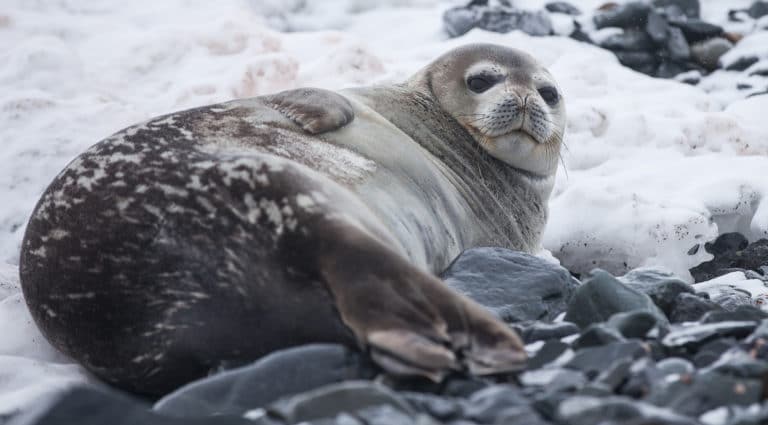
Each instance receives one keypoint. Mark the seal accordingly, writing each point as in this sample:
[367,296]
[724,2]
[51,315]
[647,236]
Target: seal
[219,234]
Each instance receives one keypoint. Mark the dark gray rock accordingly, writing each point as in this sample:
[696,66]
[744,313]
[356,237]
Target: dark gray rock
[690,308]
[758,9]
[663,287]
[441,408]
[595,335]
[602,295]
[675,366]
[645,62]
[657,27]
[738,363]
[759,73]
[584,410]
[695,336]
[594,360]
[670,68]
[615,374]
[677,45]
[366,399]
[743,86]
[696,30]
[712,350]
[630,40]
[742,312]
[514,285]
[643,376]
[279,374]
[488,405]
[733,299]
[701,392]
[91,406]
[562,7]
[690,8]
[629,15]
[543,331]
[707,53]
[731,253]
[459,20]
[579,34]
[633,324]
[550,351]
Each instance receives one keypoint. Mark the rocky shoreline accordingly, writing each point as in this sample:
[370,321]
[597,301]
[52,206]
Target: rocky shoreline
[643,348]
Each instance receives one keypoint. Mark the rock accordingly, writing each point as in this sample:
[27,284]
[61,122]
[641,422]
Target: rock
[633,324]
[657,27]
[631,39]
[711,351]
[584,410]
[602,295]
[491,404]
[690,307]
[643,376]
[579,34]
[731,252]
[663,287]
[91,406]
[441,408]
[644,62]
[759,73]
[701,392]
[733,299]
[690,8]
[675,366]
[670,69]
[739,364]
[503,19]
[364,398]
[615,375]
[695,336]
[549,352]
[562,7]
[708,52]
[758,9]
[595,335]
[743,86]
[554,379]
[692,77]
[594,360]
[279,374]
[677,45]
[542,331]
[628,15]
[697,30]
[463,386]
[742,312]
[514,285]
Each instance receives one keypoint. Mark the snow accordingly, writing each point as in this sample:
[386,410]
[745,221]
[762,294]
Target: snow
[653,168]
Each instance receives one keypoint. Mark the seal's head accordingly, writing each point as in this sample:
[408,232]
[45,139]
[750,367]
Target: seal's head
[509,103]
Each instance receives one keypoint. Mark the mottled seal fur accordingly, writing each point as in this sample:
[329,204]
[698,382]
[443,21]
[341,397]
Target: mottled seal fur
[222,233]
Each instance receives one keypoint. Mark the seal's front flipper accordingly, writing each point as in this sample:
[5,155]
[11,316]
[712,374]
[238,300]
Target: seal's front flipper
[315,110]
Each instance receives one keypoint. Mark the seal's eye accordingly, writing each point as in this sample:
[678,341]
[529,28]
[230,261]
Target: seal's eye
[549,94]
[479,84]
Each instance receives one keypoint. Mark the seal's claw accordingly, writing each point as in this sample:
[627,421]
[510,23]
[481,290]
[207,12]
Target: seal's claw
[404,353]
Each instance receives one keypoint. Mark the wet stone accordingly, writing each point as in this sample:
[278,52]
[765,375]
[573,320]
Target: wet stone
[738,363]
[629,15]
[595,335]
[487,404]
[644,62]
[584,410]
[555,379]
[543,331]
[548,353]
[690,8]
[677,45]
[631,40]
[634,324]
[441,408]
[675,366]
[642,378]
[695,336]
[758,9]
[602,295]
[562,7]
[708,52]
[657,27]
[661,286]
[697,30]
[503,19]
[710,352]
[615,374]
[741,312]
[515,286]
[594,360]
[690,307]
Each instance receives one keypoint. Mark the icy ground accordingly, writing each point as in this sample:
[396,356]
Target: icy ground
[652,167]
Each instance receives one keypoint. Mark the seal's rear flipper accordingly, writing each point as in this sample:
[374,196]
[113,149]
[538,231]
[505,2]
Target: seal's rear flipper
[315,110]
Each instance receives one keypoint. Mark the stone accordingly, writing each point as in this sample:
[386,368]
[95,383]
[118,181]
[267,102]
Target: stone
[441,408]
[628,15]
[633,324]
[675,366]
[742,312]
[643,377]
[743,86]
[758,9]
[644,62]
[548,353]
[690,8]
[657,27]
[487,404]
[562,7]
[554,379]
[759,73]
[738,363]
[602,295]
[543,331]
[594,360]
[350,396]
[662,287]
[579,34]
[514,285]
[279,374]
[733,299]
[677,45]
[689,308]
[615,375]
[695,336]
[585,410]
[730,252]
[595,335]
[696,30]
[712,350]
[631,40]
[457,21]
[707,53]
[92,406]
